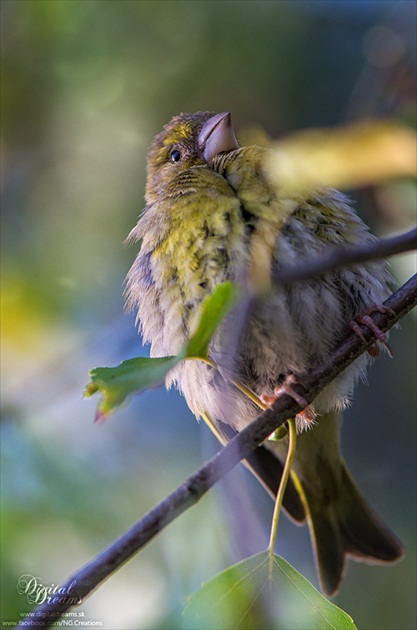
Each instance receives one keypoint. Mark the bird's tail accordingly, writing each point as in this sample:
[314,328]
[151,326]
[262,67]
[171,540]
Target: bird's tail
[346,526]
[340,520]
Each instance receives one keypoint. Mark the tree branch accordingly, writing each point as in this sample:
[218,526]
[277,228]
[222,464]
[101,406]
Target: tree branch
[84,581]
[335,258]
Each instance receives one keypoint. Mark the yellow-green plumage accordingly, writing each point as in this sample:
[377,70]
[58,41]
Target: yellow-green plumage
[212,216]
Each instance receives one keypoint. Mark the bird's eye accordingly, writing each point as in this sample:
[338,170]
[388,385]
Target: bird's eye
[175,155]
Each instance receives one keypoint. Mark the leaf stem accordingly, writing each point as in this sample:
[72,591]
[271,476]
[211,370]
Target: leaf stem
[249,393]
[282,486]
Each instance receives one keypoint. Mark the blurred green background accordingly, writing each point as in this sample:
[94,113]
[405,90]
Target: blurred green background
[85,87]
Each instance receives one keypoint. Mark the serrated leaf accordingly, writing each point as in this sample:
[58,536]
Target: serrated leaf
[253,594]
[213,310]
[116,384]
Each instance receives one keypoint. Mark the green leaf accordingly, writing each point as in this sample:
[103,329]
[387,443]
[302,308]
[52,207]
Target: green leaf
[254,594]
[132,376]
[116,384]
[212,311]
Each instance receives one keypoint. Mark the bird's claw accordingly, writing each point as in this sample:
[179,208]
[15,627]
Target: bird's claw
[304,418]
[369,323]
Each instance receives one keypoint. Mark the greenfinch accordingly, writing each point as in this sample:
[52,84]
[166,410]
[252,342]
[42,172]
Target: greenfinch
[213,215]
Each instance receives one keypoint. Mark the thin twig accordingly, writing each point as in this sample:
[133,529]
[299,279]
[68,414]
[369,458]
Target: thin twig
[292,446]
[382,248]
[102,566]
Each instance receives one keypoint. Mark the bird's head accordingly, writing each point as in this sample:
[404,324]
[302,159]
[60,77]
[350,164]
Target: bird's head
[187,140]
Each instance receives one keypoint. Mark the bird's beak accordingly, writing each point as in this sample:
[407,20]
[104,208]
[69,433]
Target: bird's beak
[217,135]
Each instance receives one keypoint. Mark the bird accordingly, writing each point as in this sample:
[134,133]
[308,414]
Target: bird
[213,215]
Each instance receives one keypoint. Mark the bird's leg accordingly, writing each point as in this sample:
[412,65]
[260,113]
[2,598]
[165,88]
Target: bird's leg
[369,323]
[305,418]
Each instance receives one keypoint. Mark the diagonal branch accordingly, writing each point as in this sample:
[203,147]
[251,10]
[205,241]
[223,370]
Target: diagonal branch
[353,255]
[84,581]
